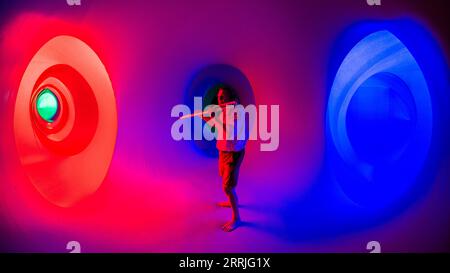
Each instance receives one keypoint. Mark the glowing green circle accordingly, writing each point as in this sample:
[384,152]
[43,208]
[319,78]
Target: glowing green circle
[47,105]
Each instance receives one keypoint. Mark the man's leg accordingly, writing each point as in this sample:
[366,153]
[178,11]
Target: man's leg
[235,221]
[229,165]
[222,165]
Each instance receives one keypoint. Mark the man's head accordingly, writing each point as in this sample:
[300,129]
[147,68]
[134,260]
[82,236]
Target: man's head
[224,95]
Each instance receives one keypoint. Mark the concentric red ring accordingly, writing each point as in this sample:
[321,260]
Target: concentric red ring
[66,159]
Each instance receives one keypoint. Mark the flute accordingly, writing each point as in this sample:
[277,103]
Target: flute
[204,112]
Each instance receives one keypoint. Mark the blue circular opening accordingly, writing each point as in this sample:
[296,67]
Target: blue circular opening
[381,118]
[204,85]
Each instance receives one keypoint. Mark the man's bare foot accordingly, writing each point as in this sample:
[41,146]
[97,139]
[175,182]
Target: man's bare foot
[231,225]
[224,204]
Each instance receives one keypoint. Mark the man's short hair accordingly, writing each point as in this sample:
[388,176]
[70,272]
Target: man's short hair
[230,91]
